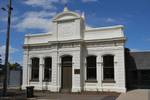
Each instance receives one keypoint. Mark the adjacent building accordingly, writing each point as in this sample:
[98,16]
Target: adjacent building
[74,58]
[137,69]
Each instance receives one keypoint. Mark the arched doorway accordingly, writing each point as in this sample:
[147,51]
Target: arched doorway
[66,73]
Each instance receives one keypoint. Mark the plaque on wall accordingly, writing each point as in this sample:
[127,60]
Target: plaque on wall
[76,71]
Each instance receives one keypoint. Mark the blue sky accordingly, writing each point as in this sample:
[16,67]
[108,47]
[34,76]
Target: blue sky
[34,16]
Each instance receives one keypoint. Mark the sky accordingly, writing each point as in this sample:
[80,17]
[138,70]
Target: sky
[34,16]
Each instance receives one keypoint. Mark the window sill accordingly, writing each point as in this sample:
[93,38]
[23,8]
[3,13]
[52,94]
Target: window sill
[34,80]
[91,81]
[46,80]
[108,81]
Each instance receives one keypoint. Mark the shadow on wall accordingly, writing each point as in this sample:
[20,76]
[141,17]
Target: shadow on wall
[137,75]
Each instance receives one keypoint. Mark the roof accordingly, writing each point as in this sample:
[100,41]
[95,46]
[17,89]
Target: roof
[141,59]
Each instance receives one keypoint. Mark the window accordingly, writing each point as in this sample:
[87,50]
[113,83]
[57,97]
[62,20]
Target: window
[91,67]
[67,61]
[108,67]
[35,69]
[48,69]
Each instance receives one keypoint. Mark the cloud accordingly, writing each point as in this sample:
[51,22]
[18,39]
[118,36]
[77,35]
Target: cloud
[45,4]
[39,14]
[78,11]
[148,39]
[13,19]
[41,19]
[88,27]
[89,1]
[11,51]
[36,20]
[111,20]
[139,50]
[3,31]
[34,23]
[64,1]
[135,50]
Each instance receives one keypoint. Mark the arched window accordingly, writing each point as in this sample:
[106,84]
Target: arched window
[91,67]
[35,69]
[48,69]
[108,67]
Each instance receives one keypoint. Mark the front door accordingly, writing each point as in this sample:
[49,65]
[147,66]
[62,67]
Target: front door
[66,73]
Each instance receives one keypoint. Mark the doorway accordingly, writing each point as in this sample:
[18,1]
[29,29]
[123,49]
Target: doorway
[66,73]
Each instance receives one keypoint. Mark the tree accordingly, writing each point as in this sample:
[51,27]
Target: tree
[14,66]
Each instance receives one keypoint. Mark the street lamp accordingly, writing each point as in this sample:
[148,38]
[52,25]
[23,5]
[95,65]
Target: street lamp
[6,68]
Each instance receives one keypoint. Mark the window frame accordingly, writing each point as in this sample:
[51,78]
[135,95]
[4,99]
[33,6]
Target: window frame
[35,67]
[88,79]
[109,67]
[49,78]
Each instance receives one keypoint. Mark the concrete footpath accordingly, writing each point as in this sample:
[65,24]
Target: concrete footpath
[46,95]
[138,94]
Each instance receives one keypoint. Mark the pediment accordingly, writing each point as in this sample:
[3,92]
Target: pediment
[66,16]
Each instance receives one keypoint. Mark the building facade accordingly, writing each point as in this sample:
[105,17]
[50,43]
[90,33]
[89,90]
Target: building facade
[74,58]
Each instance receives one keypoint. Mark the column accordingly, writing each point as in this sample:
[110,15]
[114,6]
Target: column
[29,68]
[29,72]
[76,71]
[25,71]
[41,72]
[99,72]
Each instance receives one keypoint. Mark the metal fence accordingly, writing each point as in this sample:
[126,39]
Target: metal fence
[15,79]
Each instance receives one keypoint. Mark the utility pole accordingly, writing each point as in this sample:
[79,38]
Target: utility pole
[0,59]
[6,68]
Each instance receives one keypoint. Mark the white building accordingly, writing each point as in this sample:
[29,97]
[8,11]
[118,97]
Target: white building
[74,58]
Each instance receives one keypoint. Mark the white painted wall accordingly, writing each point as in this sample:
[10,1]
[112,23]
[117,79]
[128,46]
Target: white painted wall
[64,32]
[119,68]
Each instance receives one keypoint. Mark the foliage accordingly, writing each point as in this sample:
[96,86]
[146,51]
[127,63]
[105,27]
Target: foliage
[14,66]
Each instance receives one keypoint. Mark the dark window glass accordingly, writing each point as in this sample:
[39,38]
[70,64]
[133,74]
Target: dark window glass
[35,69]
[67,61]
[108,62]
[48,69]
[91,67]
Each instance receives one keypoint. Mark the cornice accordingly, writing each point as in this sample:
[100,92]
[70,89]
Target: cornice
[107,40]
[105,28]
[37,35]
[68,42]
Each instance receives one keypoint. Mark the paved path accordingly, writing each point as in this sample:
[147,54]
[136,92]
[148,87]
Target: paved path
[139,94]
[46,95]
[75,97]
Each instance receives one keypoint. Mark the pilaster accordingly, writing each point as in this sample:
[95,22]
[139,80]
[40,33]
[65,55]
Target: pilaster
[41,66]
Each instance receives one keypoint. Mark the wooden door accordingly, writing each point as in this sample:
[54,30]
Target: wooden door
[67,77]
[67,73]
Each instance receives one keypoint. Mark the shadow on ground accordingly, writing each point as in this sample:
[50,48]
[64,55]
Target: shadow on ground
[13,95]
